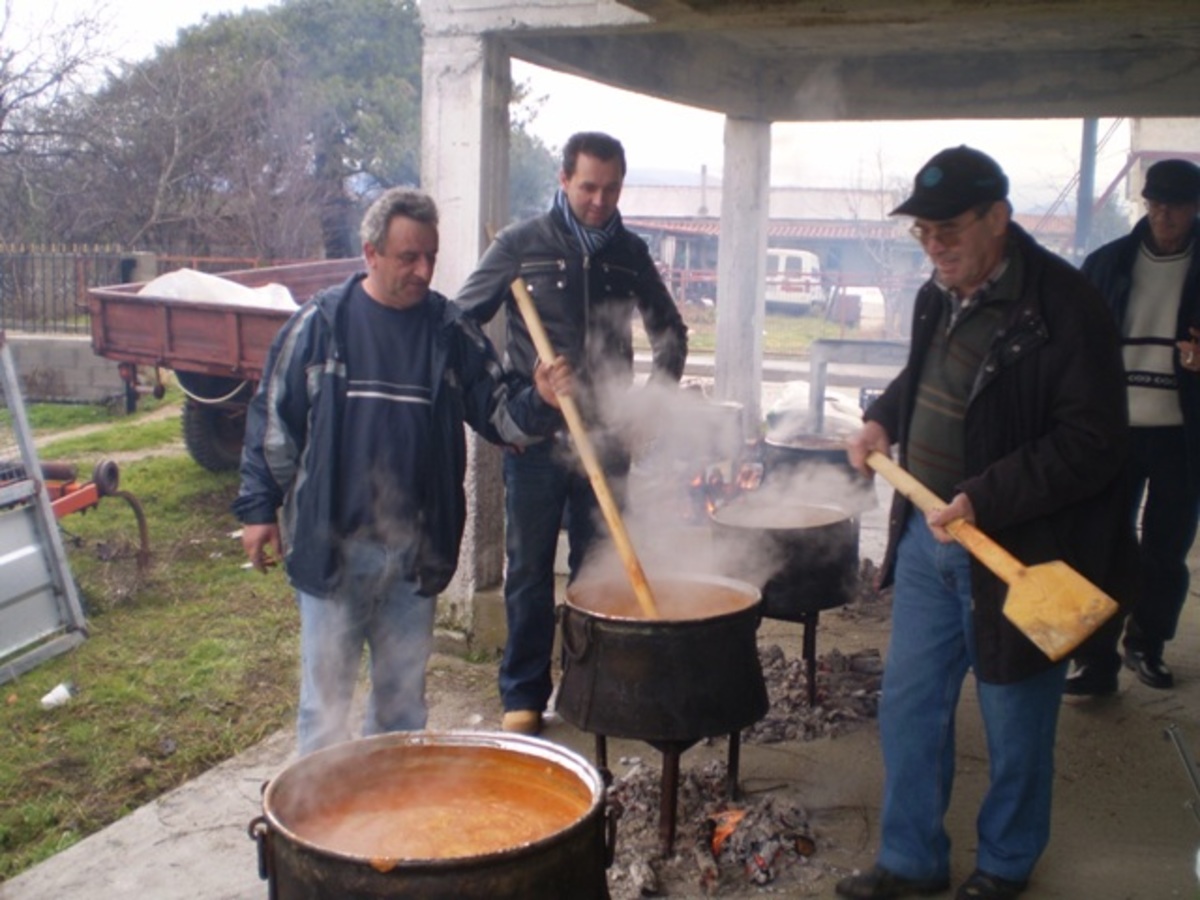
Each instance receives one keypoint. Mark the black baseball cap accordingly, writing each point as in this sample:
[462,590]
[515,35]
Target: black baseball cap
[1172,181]
[952,182]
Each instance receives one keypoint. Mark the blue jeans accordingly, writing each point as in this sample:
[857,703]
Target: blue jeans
[931,650]
[541,484]
[378,607]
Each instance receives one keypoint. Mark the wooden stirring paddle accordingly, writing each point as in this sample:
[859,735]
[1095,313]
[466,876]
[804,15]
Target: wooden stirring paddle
[591,463]
[1052,604]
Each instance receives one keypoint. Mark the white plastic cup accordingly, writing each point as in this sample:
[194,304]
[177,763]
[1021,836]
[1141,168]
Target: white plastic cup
[57,697]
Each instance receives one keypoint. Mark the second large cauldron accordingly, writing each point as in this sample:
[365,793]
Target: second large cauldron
[692,673]
[809,551]
[808,554]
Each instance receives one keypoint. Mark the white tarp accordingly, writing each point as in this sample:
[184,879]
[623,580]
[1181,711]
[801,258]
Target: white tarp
[189,284]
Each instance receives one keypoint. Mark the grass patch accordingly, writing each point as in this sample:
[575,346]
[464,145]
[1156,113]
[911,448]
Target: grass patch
[49,417]
[134,437]
[187,663]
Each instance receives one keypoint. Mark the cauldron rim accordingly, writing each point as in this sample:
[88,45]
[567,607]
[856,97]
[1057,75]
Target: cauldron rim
[800,440]
[752,593]
[534,746]
[741,504]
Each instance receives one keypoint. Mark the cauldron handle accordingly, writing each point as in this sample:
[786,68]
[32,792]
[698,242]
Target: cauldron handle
[260,833]
[575,654]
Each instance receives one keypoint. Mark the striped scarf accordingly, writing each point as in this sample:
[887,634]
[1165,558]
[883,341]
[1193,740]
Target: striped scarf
[591,240]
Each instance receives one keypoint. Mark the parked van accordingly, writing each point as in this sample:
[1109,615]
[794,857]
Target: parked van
[794,282]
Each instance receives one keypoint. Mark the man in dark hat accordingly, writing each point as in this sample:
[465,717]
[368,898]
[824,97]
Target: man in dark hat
[1012,407]
[1151,280]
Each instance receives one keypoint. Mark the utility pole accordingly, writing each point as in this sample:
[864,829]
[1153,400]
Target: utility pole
[1087,187]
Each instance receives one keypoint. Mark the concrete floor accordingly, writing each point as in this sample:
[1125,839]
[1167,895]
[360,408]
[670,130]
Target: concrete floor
[1123,827]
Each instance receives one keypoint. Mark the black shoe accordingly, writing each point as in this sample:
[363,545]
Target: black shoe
[1089,681]
[877,883]
[1150,669]
[982,886]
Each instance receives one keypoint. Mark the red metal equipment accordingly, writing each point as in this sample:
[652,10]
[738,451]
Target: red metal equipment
[67,495]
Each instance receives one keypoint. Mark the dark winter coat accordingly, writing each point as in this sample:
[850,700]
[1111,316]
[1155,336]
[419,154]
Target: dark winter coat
[1045,434]
[1110,268]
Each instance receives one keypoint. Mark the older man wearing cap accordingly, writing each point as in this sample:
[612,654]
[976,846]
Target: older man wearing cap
[1151,280]
[1012,407]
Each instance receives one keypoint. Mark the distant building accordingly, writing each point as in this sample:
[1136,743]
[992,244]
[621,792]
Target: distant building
[863,252]
[849,230]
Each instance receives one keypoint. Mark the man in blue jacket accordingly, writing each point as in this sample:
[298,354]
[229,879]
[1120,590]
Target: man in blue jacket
[1151,280]
[353,466]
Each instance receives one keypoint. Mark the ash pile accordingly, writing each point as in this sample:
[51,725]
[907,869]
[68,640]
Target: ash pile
[848,685]
[721,846]
[762,842]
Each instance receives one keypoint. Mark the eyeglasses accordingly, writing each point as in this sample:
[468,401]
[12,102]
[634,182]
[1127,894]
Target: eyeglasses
[1162,208]
[948,234]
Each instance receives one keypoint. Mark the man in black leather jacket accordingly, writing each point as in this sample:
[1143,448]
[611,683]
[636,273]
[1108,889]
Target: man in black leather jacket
[1151,280]
[587,274]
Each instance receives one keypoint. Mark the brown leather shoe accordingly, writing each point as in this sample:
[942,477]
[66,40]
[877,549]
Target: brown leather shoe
[877,883]
[522,721]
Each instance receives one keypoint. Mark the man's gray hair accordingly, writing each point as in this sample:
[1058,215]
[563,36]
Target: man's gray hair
[407,202]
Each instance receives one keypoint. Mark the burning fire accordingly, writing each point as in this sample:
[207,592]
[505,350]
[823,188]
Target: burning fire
[709,489]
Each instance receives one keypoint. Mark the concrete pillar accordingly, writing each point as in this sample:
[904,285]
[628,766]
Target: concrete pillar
[741,264]
[464,166]
[139,266]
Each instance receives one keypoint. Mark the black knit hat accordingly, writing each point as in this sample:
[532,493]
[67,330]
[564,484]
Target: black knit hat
[1172,181]
[952,182]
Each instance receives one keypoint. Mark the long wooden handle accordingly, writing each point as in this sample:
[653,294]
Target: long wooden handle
[591,463]
[1002,563]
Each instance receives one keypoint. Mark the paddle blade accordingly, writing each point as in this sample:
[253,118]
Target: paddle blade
[1056,607]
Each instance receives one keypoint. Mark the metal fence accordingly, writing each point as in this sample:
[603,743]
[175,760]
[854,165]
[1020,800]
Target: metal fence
[44,289]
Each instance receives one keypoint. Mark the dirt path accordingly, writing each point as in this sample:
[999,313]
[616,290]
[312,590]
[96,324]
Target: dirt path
[174,447]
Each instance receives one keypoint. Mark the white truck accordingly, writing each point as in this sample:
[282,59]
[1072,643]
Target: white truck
[794,282]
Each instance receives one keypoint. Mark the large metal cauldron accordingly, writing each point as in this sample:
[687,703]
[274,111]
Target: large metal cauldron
[784,454]
[692,673]
[459,815]
[811,549]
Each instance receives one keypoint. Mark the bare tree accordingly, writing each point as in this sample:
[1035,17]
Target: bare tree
[43,63]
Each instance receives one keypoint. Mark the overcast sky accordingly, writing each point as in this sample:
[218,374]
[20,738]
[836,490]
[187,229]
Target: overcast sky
[1040,157]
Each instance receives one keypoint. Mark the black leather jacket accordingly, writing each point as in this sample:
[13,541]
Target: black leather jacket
[585,302]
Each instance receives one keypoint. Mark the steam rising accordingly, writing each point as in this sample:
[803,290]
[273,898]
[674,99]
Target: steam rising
[678,436]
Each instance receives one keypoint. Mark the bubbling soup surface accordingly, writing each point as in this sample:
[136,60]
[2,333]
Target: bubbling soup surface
[452,805]
[674,599]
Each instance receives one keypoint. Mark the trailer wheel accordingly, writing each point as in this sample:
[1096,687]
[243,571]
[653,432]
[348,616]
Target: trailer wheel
[213,435]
